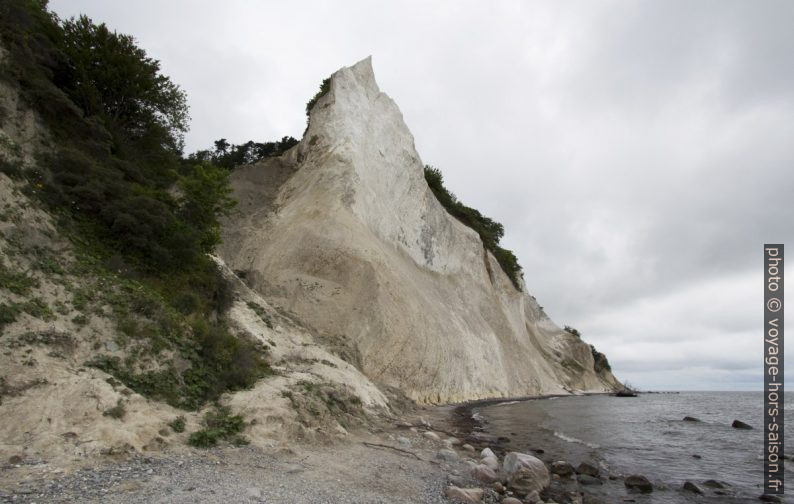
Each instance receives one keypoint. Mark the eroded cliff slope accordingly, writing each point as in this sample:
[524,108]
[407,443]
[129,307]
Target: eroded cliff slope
[343,232]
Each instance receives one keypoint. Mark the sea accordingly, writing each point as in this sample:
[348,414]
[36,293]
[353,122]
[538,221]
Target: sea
[647,435]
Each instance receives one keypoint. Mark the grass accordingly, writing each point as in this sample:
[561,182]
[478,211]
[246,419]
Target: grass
[219,425]
[18,283]
[35,308]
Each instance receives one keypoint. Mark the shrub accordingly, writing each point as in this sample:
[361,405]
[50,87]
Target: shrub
[219,424]
[325,86]
[573,331]
[489,230]
[177,424]
[600,362]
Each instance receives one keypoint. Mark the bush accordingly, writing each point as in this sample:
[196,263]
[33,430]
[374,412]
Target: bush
[573,331]
[489,230]
[325,86]
[177,424]
[219,424]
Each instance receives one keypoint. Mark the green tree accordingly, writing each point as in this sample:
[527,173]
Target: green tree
[109,76]
[206,196]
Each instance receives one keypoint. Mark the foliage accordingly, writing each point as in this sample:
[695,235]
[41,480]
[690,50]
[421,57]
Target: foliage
[219,362]
[229,156]
[110,77]
[219,424]
[325,86]
[600,362]
[118,123]
[573,331]
[177,424]
[18,283]
[489,230]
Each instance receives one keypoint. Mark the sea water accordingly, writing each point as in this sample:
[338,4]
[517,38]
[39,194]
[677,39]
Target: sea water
[647,435]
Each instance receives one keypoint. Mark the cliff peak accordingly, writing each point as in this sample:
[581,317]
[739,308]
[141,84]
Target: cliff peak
[358,247]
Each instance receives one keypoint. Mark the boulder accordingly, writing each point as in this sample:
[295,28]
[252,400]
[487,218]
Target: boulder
[586,479]
[487,452]
[691,419]
[468,447]
[738,424]
[561,468]
[447,455]
[511,500]
[692,487]
[432,435]
[588,469]
[769,498]
[465,495]
[638,482]
[484,474]
[714,484]
[534,498]
[525,473]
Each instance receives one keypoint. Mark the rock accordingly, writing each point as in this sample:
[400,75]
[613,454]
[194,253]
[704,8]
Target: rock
[738,424]
[404,441]
[468,447]
[254,492]
[458,481]
[691,419]
[491,462]
[484,474]
[511,500]
[452,441]
[561,468]
[14,459]
[534,498]
[586,479]
[638,482]
[692,487]
[487,452]
[432,435]
[481,438]
[696,456]
[588,469]
[465,495]
[525,473]
[769,498]
[498,487]
[713,484]
[447,455]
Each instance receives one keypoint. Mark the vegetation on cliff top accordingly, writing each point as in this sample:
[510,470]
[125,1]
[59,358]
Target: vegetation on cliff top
[489,230]
[141,216]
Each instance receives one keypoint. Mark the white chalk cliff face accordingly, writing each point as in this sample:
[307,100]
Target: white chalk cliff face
[343,232]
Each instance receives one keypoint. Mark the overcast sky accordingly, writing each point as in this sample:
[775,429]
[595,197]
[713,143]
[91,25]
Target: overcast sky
[638,153]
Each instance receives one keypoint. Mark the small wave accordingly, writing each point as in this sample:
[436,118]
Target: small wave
[507,403]
[571,439]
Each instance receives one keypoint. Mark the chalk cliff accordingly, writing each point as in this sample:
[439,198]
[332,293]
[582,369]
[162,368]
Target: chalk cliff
[343,232]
